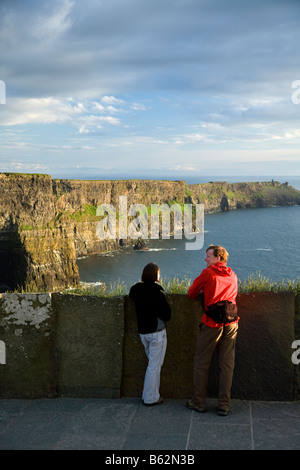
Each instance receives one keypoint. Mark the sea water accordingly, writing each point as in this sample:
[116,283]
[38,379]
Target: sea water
[265,241]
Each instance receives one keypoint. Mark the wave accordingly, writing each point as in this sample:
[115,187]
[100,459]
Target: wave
[88,284]
[91,284]
[161,249]
[95,283]
[263,249]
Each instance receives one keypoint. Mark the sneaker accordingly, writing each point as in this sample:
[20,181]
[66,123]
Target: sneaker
[158,402]
[191,406]
[223,412]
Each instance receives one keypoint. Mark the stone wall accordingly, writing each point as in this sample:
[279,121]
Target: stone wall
[74,346]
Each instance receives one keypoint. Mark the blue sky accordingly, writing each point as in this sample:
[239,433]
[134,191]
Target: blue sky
[150,88]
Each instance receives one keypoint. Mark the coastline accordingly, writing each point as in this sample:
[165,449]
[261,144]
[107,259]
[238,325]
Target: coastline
[46,224]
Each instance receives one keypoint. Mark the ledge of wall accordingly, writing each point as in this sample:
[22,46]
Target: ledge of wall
[69,345]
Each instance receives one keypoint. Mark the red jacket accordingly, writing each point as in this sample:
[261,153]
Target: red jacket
[218,282]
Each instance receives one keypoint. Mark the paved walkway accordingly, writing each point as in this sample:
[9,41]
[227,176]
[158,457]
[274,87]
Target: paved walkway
[126,424]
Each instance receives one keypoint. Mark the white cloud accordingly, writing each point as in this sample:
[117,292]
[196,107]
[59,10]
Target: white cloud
[138,107]
[22,111]
[150,81]
[109,108]
[112,100]
[83,130]
[49,27]
[37,110]
[20,166]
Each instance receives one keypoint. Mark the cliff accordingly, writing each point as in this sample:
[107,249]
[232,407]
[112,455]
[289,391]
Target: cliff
[45,224]
[222,196]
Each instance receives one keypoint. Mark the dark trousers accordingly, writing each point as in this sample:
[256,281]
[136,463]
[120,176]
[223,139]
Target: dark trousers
[210,339]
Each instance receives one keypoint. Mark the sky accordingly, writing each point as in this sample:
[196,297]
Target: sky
[169,89]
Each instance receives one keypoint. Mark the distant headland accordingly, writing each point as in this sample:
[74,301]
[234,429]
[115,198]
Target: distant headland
[46,223]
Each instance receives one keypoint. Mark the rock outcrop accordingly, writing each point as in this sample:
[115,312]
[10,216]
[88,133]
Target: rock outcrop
[46,224]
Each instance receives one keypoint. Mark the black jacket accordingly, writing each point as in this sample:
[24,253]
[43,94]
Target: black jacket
[150,304]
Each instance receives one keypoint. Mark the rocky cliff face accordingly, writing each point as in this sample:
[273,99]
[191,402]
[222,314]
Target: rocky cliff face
[222,196]
[74,194]
[34,249]
[76,203]
[46,224]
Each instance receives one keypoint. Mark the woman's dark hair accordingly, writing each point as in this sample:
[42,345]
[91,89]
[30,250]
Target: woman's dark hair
[150,272]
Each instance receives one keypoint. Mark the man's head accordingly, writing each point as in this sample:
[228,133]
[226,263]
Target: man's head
[215,254]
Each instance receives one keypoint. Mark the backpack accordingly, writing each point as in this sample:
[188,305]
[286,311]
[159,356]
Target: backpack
[223,312]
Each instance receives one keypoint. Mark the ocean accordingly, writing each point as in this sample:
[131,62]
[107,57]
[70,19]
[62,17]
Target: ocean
[264,241]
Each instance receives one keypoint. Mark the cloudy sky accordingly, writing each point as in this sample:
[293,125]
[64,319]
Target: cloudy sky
[150,88]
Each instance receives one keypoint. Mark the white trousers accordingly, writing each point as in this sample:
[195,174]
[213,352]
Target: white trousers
[155,345]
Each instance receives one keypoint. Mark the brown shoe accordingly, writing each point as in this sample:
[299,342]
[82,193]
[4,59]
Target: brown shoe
[222,412]
[191,406]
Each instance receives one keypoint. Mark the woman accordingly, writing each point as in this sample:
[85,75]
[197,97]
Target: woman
[152,310]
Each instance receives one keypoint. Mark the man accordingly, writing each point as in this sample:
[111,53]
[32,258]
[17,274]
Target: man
[218,283]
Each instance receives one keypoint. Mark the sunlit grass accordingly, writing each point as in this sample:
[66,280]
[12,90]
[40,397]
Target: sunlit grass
[258,283]
[254,283]
[99,289]
[176,285]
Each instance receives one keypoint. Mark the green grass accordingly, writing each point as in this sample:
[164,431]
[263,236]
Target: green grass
[88,212]
[25,175]
[254,283]
[176,285]
[100,290]
[258,283]
[171,286]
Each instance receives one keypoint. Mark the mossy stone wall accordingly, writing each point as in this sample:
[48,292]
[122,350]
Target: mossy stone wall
[87,346]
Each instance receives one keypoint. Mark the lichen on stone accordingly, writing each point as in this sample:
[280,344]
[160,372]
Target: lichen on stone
[27,309]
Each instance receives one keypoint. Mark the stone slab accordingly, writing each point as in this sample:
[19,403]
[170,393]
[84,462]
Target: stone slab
[27,332]
[90,345]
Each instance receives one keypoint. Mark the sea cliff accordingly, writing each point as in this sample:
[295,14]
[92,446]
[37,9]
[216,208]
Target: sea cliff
[46,224]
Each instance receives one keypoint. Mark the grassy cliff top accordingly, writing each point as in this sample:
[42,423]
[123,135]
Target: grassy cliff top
[25,175]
